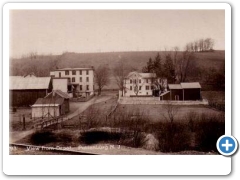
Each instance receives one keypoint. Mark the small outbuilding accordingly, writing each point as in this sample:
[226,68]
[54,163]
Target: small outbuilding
[182,92]
[54,104]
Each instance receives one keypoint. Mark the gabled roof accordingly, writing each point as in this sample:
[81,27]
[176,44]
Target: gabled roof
[187,85]
[48,102]
[191,85]
[148,75]
[23,83]
[70,69]
[174,86]
[142,75]
[59,92]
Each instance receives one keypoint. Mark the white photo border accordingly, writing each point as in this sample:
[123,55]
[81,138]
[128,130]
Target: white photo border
[115,164]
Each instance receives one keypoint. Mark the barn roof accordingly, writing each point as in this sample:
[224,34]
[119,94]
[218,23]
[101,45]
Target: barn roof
[174,86]
[22,83]
[60,93]
[190,85]
[48,102]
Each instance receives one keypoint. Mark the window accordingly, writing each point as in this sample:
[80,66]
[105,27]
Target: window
[73,72]
[87,87]
[73,79]
[147,87]
[130,81]
[80,80]
[59,74]
[80,72]
[66,72]
[69,80]
[152,87]
[87,79]
[140,87]
[87,72]
[80,87]
[131,88]
[135,81]
[139,81]
[146,80]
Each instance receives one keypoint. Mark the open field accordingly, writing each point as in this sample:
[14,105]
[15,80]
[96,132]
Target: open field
[158,113]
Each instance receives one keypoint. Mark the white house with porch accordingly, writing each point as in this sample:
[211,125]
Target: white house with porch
[142,84]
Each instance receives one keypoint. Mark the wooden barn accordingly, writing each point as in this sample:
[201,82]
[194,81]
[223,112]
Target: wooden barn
[54,104]
[182,92]
[25,90]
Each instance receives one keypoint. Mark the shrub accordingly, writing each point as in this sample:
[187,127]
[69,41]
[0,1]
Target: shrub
[173,137]
[95,136]
[42,137]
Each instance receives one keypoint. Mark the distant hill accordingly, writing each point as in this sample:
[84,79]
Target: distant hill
[42,65]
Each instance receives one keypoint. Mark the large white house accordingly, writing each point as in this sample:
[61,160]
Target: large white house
[76,81]
[142,84]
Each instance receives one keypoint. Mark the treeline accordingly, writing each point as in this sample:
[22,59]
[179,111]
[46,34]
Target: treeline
[201,45]
[177,67]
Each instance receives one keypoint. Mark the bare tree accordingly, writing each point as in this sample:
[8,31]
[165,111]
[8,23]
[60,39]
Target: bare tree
[171,111]
[102,77]
[184,64]
[120,72]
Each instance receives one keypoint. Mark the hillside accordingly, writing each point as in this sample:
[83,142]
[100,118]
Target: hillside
[42,64]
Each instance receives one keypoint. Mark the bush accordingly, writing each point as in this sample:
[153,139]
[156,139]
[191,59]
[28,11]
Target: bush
[173,137]
[42,137]
[208,132]
[95,136]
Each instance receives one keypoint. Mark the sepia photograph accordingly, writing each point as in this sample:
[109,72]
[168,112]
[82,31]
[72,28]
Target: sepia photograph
[116,81]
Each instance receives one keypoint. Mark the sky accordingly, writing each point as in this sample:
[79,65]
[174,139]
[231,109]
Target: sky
[58,31]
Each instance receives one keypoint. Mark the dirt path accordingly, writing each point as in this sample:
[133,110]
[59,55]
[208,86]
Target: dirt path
[84,105]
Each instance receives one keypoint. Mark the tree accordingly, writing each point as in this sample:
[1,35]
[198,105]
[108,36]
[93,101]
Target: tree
[169,69]
[102,77]
[149,68]
[185,65]
[120,72]
[157,66]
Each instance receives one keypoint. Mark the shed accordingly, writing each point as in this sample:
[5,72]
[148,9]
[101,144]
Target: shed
[48,107]
[176,92]
[25,90]
[59,94]
[191,91]
[183,92]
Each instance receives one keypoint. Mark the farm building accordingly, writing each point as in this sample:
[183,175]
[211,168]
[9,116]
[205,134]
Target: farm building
[25,90]
[54,104]
[182,92]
